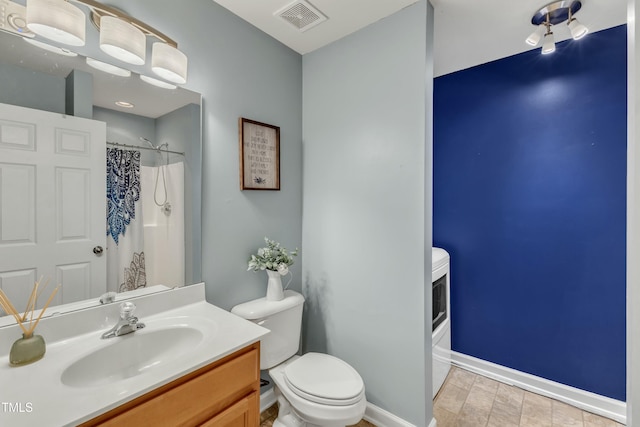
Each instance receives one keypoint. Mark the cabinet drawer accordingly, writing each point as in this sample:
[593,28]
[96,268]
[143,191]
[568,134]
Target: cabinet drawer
[242,414]
[196,400]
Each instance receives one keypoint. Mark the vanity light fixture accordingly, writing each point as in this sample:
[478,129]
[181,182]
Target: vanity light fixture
[108,68]
[156,82]
[122,40]
[50,48]
[56,20]
[553,14]
[169,63]
[121,36]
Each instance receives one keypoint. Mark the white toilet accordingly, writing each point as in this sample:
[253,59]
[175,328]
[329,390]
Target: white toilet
[314,389]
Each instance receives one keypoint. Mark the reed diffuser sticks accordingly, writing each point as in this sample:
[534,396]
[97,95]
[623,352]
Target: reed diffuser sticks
[28,326]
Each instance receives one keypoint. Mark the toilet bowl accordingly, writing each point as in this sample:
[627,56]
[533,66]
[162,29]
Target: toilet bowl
[320,390]
[314,389]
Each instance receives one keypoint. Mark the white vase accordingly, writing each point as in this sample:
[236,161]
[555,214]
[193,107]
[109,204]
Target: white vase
[274,286]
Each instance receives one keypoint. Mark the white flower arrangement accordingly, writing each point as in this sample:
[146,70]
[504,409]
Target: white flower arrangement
[274,257]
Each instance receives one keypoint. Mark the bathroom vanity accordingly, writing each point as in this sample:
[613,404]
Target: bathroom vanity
[224,393]
[192,364]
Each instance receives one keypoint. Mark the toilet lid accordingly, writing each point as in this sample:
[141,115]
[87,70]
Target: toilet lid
[325,379]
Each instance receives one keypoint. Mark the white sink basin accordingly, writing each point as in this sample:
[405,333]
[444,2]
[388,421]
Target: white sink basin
[131,355]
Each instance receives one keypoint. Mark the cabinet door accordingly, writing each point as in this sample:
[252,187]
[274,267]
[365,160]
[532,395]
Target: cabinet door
[244,413]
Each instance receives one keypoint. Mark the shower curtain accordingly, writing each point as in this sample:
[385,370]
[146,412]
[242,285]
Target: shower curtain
[164,229]
[125,232]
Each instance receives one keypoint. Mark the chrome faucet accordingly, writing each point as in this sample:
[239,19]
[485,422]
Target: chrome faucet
[128,322]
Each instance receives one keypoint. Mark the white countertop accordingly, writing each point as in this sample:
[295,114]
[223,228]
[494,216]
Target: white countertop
[34,395]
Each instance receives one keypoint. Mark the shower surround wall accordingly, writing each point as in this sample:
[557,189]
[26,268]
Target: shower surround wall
[530,200]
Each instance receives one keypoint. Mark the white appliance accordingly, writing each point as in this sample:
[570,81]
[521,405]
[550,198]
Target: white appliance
[313,389]
[441,317]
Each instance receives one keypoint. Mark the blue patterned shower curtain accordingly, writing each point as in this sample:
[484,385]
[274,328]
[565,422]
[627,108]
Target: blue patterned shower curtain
[125,231]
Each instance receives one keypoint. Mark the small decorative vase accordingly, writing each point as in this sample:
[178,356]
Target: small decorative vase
[27,350]
[274,286]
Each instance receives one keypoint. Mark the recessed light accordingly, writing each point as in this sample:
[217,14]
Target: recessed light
[124,104]
[108,68]
[157,82]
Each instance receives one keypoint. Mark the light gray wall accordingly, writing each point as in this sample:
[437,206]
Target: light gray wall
[366,231]
[79,94]
[126,128]
[240,72]
[31,89]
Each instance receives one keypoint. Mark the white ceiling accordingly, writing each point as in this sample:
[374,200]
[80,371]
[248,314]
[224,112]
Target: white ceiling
[473,32]
[466,32]
[345,17]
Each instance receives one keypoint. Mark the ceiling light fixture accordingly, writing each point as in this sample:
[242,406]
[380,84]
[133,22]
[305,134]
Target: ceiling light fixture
[578,30]
[549,44]
[553,14]
[534,38]
[121,36]
[124,104]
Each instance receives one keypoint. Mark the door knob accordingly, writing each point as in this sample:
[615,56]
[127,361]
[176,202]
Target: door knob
[98,250]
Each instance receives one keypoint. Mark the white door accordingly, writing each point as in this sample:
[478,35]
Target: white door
[52,204]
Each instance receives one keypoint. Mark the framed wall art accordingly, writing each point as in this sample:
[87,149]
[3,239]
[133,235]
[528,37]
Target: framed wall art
[259,155]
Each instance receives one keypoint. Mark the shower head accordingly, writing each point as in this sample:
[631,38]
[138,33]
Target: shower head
[158,148]
[142,138]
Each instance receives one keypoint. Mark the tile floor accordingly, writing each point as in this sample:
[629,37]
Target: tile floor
[470,400]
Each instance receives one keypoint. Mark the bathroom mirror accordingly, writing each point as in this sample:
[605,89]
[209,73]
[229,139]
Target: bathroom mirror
[35,78]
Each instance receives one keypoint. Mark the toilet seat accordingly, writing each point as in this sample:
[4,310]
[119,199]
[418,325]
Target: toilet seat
[324,379]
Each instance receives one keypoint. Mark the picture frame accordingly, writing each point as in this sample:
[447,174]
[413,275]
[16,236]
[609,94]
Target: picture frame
[259,147]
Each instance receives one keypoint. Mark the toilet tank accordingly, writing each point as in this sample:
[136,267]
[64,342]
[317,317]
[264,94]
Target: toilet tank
[283,318]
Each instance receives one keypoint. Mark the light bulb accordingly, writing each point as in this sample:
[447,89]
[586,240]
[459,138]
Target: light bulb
[548,44]
[578,30]
[534,38]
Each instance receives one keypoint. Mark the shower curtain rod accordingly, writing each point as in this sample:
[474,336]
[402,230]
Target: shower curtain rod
[137,147]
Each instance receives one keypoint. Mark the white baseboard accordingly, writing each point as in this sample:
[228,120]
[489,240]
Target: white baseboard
[382,418]
[373,414]
[267,399]
[585,400]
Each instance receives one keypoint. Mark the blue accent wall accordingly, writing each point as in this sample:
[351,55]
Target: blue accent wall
[530,201]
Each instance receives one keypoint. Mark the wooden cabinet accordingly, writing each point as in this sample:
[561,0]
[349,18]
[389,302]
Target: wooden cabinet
[225,393]
[240,414]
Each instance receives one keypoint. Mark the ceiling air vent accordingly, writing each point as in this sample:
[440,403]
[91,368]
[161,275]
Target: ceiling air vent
[301,15]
